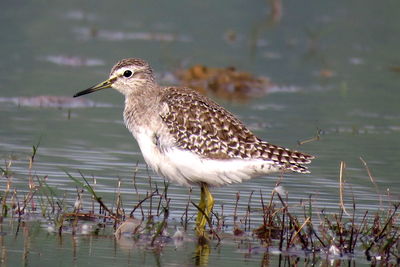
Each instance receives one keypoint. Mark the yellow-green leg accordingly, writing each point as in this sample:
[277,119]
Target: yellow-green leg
[202,254]
[206,205]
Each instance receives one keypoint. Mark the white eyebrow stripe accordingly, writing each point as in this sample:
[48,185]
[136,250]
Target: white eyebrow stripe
[121,71]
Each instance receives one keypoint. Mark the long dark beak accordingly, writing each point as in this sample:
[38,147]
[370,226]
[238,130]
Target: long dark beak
[97,87]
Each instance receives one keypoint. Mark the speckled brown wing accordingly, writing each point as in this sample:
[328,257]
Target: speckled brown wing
[202,126]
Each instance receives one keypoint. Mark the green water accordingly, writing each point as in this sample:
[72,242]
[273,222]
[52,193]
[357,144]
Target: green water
[356,108]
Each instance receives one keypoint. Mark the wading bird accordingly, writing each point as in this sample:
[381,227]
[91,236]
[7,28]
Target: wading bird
[191,140]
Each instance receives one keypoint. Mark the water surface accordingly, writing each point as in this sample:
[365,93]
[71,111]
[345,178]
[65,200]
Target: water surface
[335,64]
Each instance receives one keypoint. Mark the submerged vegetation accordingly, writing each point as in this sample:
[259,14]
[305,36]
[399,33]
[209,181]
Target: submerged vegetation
[294,232]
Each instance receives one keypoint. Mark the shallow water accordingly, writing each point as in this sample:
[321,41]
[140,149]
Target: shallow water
[334,64]
[31,245]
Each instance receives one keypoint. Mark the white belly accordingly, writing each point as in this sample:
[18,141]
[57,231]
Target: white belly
[187,168]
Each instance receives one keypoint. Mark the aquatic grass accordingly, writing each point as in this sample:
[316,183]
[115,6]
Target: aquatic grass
[90,189]
[336,235]
[161,225]
[185,217]
[34,152]
[50,195]
[4,197]
[297,231]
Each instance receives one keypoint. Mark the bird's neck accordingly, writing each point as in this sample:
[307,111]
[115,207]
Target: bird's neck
[140,108]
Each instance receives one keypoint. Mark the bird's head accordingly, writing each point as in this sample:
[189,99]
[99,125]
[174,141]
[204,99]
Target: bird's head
[127,76]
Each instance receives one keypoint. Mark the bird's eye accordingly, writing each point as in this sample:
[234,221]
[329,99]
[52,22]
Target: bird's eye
[127,73]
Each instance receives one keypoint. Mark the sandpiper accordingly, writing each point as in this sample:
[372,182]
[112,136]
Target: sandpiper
[191,140]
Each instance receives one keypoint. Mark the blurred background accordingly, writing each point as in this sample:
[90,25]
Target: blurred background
[323,74]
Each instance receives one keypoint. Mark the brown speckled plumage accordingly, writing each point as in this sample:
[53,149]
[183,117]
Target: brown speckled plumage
[191,140]
[188,138]
[202,126]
